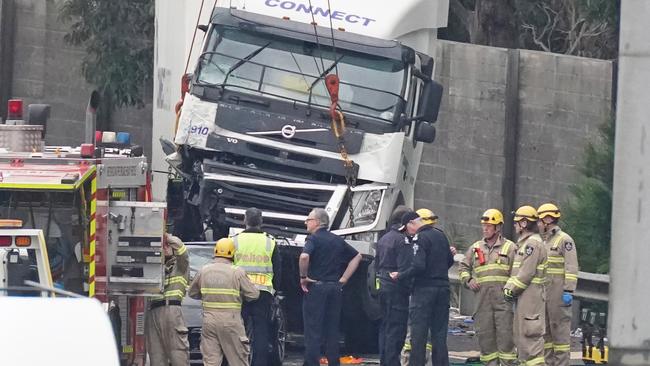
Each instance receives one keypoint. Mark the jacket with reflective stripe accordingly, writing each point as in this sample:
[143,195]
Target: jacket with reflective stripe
[529,266]
[253,253]
[562,260]
[177,276]
[222,286]
[498,262]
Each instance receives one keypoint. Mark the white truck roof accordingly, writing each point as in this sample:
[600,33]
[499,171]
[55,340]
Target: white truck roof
[56,331]
[385,19]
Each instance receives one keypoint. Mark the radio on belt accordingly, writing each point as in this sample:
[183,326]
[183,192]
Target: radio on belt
[135,262]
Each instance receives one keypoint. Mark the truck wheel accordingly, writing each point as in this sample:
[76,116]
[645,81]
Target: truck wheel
[280,331]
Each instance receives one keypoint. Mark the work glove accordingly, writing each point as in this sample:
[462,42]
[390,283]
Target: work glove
[173,241]
[508,295]
[567,298]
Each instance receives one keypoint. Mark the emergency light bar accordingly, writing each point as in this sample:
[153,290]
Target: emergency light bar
[10,224]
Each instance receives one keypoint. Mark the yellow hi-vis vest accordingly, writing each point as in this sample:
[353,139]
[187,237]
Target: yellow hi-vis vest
[253,253]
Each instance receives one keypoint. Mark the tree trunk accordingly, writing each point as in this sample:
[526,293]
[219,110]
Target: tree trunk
[496,23]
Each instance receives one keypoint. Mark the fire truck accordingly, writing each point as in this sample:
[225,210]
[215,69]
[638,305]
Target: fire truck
[91,207]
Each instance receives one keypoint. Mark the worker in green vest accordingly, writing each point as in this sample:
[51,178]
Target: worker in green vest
[256,253]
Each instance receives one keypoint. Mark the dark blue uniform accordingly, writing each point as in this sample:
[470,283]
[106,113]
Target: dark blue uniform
[429,307]
[329,255]
[394,254]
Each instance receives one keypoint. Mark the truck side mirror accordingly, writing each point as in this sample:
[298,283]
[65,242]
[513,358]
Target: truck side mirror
[430,101]
[424,132]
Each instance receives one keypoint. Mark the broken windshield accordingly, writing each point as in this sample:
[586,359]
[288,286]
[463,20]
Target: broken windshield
[257,63]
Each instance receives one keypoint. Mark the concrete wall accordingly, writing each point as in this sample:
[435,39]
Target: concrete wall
[561,102]
[47,70]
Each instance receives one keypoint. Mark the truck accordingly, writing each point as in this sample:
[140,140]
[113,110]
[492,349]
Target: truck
[288,105]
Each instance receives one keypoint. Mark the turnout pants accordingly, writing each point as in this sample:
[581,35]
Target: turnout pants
[223,335]
[429,311]
[321,313]
[494,318]
[557,340]
[257,314]
[394,304]
[166,336]
[529,326]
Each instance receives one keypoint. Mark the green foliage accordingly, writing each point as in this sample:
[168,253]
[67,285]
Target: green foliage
[119,40]
[587,215]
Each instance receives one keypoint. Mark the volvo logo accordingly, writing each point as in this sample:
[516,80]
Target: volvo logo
[288,131]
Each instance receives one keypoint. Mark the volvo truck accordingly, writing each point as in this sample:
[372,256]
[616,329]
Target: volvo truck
[288,105]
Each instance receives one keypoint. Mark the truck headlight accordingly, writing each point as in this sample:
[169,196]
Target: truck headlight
[366,205]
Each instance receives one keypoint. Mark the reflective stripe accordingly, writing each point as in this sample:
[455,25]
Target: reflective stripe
[487,267]
[172,293]
[181,250]
[516,264]
[464,275]
[500,279]
[548,345]
[506,247]
[557,240]
[219,291]
[407,346]
[489,357]
[535,361]
[176,279]
[570,277]
[507,356]
[221,305]
[251,267]
[515,281]
[539,280]
[555,259]
[561,347]
[555,271]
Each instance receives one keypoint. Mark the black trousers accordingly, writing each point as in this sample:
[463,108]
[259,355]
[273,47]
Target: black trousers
[257,314]
[321,314]
[394,304]
[429,311]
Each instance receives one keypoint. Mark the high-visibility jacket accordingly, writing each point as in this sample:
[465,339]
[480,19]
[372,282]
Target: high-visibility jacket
[253,252]
[497,266]
[222,287]
[177,275]
[562,260]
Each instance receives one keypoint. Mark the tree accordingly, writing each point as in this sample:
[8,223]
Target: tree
[486,22]
[574,27]
[587,214]
[119,40]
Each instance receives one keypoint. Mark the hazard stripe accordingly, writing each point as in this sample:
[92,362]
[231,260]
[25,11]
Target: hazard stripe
[93,210]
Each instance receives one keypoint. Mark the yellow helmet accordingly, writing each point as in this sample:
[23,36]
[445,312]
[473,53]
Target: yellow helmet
[225,248]
[548,209]
[526,212]
[427,216]
[492,216]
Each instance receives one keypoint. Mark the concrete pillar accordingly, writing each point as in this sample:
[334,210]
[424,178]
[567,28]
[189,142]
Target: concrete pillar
[629,318]
[7,15]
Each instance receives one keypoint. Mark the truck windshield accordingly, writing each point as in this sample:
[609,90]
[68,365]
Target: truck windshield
[293,69]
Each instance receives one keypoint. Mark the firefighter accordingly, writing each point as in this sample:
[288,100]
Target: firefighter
[562,275]
[256,253]
[326,264]
[221,287]
[429,306]
[165,330]
[485,270]
[526,286]
[392,254]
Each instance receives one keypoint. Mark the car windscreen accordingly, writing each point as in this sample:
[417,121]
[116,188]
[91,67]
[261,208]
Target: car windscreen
[292,69]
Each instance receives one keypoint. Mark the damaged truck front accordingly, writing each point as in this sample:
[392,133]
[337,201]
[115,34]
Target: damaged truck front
[255,130]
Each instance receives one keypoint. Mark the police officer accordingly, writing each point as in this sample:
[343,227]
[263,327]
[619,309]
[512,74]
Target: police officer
[222,287]
[165,330]
[526,285]
[429,307]
[256,253]
[322,277]
[393,254]
[562,275]
[485,270]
